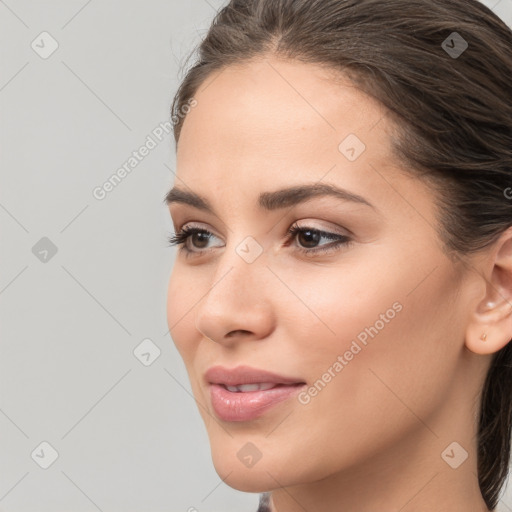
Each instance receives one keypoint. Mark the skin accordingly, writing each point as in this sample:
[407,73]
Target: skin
[373,437]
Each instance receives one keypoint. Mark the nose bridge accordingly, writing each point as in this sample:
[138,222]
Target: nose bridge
[239,270]
[236,298]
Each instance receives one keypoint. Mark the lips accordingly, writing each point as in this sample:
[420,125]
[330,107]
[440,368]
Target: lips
[243,375]
[244,393]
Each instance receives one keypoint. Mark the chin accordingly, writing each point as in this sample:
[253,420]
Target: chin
[252,477]
[249,482]
[267,474]
[255,480]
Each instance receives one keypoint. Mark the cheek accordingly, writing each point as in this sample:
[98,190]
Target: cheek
[395,312]
[341,310]
[398,343]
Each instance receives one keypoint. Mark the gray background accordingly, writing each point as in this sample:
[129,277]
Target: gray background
[128,434]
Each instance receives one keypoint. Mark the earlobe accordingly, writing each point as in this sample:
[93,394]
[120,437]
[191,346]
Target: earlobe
[490,327]
[487,334]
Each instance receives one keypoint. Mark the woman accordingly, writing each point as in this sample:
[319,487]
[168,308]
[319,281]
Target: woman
[342,295]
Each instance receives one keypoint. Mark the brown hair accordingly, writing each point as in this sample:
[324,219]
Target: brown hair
[453,110]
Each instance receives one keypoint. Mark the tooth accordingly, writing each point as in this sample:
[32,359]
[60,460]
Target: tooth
[263,386]
[249,387]
[267,385]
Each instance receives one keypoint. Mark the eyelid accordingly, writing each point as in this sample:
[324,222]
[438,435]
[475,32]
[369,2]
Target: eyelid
[196,225]
[342,231]
[313,224]
[338,241]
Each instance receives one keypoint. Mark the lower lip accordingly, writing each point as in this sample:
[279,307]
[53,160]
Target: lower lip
[240,406]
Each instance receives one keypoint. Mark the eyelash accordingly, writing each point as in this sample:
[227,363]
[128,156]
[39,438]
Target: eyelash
[341,240]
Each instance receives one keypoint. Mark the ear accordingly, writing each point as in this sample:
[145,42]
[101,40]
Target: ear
[490,326]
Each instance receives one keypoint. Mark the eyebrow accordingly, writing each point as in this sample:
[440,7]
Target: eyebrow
[271,200]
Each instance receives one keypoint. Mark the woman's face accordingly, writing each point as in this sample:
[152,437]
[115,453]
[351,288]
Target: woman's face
[374,327]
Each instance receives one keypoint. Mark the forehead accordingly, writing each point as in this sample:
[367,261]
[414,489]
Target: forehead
[271,123]
[280,107]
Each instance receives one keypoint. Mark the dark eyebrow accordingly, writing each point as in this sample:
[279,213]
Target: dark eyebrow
[271,200]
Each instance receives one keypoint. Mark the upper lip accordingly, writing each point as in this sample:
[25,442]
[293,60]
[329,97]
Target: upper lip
[246,375]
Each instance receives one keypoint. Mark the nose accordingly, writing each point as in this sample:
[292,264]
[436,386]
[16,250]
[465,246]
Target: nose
[236,303]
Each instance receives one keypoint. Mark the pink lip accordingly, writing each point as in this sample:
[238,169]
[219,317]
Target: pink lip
[245,375]
[246,406]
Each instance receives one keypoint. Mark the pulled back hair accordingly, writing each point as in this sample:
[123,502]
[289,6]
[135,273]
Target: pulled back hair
[452,114]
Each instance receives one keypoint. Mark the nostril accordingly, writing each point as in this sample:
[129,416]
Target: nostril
[237,331]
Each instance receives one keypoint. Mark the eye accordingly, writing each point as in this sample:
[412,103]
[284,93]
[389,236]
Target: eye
[311,236]
[199,235]
[308,236]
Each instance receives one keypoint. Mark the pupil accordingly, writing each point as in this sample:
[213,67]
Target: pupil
[204,239]
[311,235]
